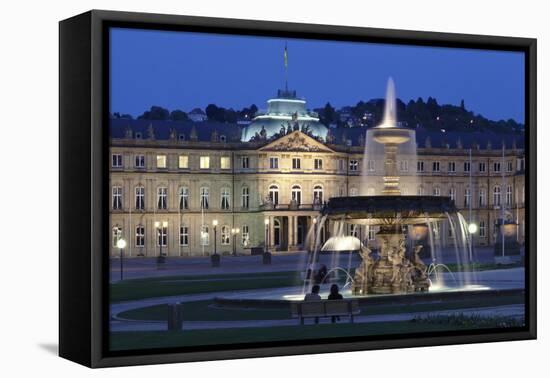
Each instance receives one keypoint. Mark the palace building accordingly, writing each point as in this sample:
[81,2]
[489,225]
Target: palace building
[172,181]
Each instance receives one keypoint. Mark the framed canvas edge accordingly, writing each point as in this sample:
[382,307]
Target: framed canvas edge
[98,268]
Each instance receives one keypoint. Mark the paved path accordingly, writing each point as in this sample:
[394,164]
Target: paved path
[295,261]
[496,279]
[508,310]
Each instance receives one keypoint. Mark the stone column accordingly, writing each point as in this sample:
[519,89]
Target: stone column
[295,231]
[290,232]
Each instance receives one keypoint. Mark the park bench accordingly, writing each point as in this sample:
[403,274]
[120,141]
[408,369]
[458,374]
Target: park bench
[325,308]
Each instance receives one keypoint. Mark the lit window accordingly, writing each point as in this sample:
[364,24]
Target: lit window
[162,198]
[183,162]
[245,162]
[296,193]
[184,198]
[225,234]
[140,236]
[296,163]
[318,163]
[140,198]
[117,160]
[245,197]
[245,236]
[273,163]
[225,199]
[225,162]
[161,161]
[204,193]
[162,236]
[117,197]
[204,162]
[140,161]
[353,165]
[184,235]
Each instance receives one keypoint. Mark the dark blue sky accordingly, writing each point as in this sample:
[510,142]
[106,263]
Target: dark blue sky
[179,70]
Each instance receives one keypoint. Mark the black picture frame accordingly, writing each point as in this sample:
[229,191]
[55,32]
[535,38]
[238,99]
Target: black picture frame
[83,182]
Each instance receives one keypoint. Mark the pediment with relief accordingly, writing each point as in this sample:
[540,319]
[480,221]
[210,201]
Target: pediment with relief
[297,142]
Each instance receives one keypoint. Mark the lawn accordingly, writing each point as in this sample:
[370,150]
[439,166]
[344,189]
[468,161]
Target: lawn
[167,339]
[182,285]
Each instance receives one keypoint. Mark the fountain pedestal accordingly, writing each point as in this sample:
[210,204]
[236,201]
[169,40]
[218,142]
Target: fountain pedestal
[391,272]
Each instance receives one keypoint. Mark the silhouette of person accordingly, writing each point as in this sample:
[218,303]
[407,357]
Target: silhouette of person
[334,295]
[314,296]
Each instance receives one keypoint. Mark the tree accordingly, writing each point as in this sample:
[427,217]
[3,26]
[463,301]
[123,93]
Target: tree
[156,113]
[329,114]
[178,115]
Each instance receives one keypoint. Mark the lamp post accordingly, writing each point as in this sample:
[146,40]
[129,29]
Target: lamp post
[266,259]
[121,244]
[266,239]
[160,226]
[235,232]
[215,257]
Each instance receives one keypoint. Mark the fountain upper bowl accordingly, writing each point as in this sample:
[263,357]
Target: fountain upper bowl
[390,134]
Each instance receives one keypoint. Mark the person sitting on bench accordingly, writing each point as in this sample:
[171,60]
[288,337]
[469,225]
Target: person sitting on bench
[334,295]
[314,296]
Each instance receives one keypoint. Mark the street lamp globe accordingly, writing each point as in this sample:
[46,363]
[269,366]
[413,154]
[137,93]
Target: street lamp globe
[472,228]
[157,224]
[121,243]
[266,221]
[215,222]
[165,224]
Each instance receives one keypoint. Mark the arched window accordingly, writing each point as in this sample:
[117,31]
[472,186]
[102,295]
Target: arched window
[482,197]
[274,194]
[317,194]
[226,235]
[204,192]
[496,195]
[437,191]
[205,235]
[245,197]
[420,190]
[184,198]
[370,191]
[225,203]
[353,192]
[297,194]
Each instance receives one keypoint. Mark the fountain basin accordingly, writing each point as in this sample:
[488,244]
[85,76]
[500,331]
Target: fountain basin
[390,135]
[388,210]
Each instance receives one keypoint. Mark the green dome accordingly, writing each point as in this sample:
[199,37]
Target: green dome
[283,111]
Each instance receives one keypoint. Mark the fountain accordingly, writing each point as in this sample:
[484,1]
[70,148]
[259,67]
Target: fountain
[394,268]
